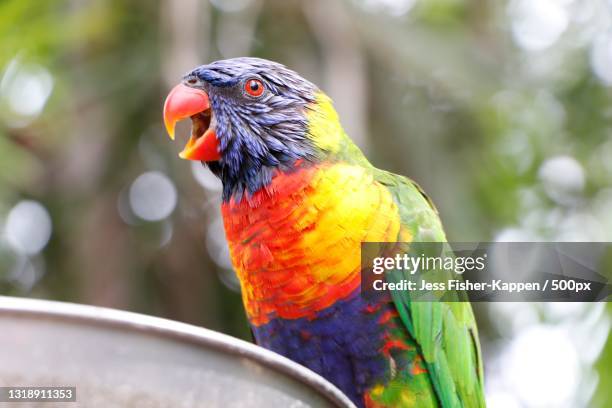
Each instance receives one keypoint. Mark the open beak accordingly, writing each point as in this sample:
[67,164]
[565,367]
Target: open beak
[184,102]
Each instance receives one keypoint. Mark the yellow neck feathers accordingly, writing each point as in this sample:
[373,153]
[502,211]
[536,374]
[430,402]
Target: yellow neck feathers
[324,125]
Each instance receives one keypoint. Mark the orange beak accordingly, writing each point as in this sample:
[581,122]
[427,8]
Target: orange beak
[181,103]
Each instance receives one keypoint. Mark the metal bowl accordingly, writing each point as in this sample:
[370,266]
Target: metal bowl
[122,359]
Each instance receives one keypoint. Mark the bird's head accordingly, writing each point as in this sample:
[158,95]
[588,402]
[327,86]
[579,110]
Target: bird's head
[250,117]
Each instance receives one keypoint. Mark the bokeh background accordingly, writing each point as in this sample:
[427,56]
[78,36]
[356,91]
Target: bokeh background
[502,110]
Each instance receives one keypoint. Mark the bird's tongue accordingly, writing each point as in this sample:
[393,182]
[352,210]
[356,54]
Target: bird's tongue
[203,148]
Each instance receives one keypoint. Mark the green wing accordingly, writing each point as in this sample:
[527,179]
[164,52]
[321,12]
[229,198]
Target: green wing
[445,331]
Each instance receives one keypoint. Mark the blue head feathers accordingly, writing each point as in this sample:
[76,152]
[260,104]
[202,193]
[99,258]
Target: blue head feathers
[258,132]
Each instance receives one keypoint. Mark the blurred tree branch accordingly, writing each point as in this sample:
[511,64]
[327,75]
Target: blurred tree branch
[344,65]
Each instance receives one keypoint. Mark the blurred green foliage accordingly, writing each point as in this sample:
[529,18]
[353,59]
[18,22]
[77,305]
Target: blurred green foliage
[501,111]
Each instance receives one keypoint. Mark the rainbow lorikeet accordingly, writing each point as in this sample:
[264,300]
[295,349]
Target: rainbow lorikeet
[298,199]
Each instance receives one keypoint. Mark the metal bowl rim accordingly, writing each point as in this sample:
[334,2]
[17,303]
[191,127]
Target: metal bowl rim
[171,330]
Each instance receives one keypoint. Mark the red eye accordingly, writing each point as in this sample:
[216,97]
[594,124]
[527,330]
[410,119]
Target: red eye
[254,87]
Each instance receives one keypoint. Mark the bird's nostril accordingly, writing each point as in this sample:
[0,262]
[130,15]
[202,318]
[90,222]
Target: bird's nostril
[192,81]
